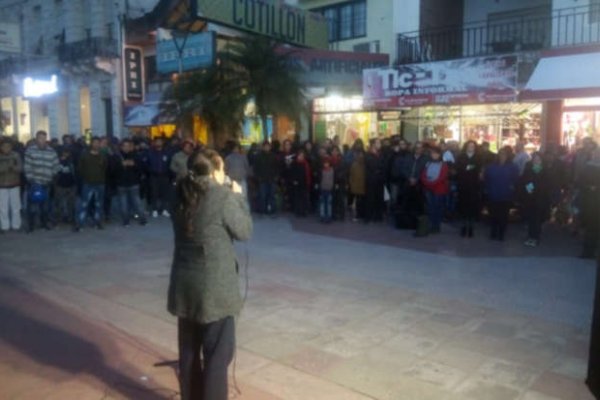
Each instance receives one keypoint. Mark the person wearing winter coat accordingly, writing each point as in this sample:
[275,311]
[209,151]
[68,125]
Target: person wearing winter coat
[357,182]
[375,181]
[158,163]
[434,179]
[10,187]
[340,174]
[204,291]
[500,180]
[468,180]
[300,175]
[536,198]
[128,172]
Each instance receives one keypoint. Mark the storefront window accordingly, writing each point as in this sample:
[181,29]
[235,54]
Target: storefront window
[498,124]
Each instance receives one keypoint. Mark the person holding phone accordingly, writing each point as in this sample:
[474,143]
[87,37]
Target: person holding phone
[204,291]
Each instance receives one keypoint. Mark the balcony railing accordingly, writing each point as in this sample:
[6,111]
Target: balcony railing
[89,48]
[565,27]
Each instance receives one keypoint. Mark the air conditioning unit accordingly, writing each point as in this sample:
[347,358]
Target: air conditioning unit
[367,47]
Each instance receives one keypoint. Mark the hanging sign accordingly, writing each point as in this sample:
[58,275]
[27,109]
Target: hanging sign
[133,70]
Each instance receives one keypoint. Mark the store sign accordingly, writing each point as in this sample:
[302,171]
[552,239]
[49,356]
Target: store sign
[322,68]
[466,81]
[33,87]
[197,51]
[10,38]
[133,61]
[337,104]
[389,115]
[272,18]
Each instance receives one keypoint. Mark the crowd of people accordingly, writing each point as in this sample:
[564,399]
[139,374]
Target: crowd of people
[419,186]
[82,184]
[415,186]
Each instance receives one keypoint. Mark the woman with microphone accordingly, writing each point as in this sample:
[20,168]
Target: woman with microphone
[204,291]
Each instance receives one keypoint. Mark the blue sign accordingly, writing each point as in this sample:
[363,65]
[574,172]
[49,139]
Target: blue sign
[197,51]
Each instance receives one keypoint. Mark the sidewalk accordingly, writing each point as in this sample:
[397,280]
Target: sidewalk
[327,317]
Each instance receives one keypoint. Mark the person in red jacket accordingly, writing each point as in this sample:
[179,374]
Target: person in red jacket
[435,183]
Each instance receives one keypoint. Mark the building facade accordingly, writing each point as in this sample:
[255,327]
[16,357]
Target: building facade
[66,77]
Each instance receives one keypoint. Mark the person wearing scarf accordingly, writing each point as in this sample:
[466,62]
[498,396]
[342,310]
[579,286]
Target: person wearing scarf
[435,182]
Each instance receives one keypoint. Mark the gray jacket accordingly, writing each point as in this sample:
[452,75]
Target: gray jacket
[204,283]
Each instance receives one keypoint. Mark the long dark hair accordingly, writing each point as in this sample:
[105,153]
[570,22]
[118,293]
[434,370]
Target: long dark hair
[192,188]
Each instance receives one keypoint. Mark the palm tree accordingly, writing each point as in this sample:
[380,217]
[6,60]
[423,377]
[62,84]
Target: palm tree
[250,69]
[212,95]
[268,79]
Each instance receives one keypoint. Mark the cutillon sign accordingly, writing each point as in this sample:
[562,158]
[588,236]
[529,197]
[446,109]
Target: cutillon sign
[271,18]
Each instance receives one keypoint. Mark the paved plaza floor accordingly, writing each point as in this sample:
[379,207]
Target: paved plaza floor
[342,311]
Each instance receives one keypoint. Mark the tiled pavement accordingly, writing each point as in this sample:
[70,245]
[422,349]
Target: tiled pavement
[333,312]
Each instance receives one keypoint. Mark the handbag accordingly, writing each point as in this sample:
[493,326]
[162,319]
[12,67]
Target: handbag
[38,193]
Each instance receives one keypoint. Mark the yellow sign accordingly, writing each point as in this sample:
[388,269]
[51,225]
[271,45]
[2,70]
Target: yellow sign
[10,38]
[271,18]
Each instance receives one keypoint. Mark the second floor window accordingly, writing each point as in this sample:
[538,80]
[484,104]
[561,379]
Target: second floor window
[594,11]
[346,20]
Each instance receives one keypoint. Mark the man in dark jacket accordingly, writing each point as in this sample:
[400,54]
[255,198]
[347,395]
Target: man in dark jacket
[158,165]
[266,171]
[92,169]
[127,173]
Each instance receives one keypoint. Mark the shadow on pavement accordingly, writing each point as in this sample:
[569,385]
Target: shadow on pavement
[56,339]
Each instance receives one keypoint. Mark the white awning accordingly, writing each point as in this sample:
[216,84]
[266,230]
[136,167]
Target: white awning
[563,77]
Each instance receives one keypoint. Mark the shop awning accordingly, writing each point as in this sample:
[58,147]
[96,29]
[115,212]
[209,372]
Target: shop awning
[564,76]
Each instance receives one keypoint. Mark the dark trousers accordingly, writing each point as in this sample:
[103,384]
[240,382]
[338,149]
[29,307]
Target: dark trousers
[91,193]
[300,201]
[326,205]
[129,199]
[435,209]
[267,198]
[205,352]
[160,188]
[65,200]
[339,205]
[499,211]
[535,220]
[361,206]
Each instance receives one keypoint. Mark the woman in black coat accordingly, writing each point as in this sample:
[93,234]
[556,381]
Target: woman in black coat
[468,180]
[535,187]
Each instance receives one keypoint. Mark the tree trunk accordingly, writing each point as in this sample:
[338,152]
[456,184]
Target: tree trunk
[265,131]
